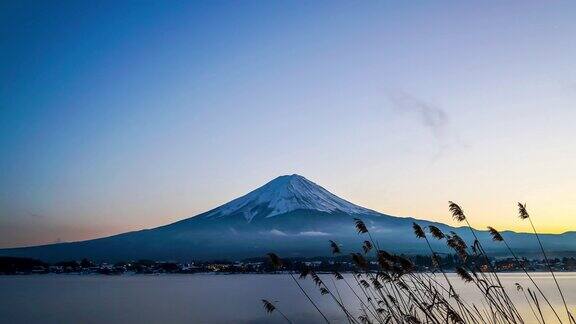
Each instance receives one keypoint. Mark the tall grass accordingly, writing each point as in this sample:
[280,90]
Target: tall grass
[393,292]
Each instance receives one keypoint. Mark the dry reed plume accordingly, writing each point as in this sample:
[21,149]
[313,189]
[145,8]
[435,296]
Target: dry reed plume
[391,291]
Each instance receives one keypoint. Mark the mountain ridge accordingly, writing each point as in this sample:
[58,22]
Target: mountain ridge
[290,215]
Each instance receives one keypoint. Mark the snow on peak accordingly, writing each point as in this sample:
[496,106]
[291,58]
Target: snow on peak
[285,194]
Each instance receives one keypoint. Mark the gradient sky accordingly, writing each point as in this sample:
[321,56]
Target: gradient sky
[118,116]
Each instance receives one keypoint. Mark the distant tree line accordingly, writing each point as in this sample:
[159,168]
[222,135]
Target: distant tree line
[342,263]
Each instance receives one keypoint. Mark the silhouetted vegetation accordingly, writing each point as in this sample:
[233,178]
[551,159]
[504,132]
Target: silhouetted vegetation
[13,265]
[390,289]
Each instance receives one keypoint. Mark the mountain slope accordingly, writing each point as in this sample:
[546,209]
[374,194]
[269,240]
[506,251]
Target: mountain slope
[289,215]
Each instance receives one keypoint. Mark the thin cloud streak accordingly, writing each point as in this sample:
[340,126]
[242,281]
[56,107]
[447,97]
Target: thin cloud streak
[37,216]
[306,233]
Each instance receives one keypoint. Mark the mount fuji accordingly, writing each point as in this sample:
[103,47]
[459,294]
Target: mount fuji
[283,195]
[289,215]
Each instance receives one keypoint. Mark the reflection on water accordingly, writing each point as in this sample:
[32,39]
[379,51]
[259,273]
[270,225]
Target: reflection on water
[203,298]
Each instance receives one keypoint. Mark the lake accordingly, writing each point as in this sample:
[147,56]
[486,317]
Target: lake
[199,298]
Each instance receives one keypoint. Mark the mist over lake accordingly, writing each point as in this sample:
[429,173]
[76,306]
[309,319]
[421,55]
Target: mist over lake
[203,298]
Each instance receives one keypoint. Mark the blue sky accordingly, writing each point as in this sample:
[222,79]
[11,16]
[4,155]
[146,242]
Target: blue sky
[118,116]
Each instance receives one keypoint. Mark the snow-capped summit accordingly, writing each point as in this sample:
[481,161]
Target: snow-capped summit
[285,194]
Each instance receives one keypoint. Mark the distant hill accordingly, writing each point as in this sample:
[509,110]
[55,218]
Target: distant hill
[289,215]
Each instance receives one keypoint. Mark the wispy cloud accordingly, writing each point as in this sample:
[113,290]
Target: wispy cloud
[430,116]
[313,233]
[376,229]
[278,232]
[305,233]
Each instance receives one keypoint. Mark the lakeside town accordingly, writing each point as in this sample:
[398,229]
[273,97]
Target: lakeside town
[25,266]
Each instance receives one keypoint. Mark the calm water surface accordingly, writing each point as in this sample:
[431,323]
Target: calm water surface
[200,298]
